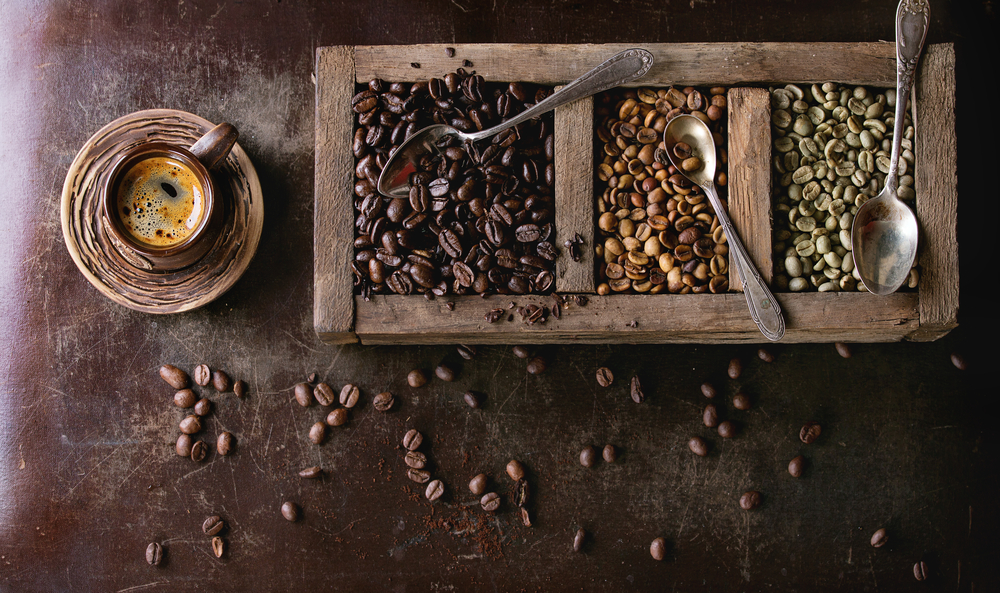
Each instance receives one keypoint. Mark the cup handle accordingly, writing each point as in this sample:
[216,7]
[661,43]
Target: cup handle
[214,146]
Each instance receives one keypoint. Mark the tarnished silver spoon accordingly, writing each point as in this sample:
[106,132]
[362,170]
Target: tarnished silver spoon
[624,67]
[688,134]
[884,235]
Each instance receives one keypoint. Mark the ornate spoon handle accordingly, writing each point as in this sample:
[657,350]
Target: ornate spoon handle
[912,19]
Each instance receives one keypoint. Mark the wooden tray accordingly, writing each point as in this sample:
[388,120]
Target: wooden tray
[924,315]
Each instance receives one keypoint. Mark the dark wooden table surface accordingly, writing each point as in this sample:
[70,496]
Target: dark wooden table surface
[88,476]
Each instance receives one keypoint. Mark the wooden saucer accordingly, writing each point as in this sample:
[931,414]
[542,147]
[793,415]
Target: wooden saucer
[101,263]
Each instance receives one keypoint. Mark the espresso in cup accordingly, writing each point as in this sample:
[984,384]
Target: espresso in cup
[160,201]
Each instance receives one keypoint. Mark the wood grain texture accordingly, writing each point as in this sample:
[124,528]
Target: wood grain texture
[936,152]
[333,234]
[750,177]
[574,161]
[674,63]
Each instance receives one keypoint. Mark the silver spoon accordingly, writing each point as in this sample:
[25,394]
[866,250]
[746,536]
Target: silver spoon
[690,131]
[624,67]
[884,234]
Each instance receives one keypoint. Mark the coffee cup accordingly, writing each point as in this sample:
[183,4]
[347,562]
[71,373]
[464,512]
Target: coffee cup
[159,204]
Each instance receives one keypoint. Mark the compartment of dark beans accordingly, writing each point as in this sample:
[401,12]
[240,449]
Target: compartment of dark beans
[479,218]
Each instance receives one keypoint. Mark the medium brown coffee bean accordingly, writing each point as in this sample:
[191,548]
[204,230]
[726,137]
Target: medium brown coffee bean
[515,470]
[434,490]
[959,361]
[444,372]
[522,492]
[708,390]
[349,396]
[419,476]
[490,502]
[844,350]
[609,453]
[920,571]
[796,466]
[477,485]
[412,439]
[750,500]
[202,407]
[587,456]
[525,516]
[658,549]
[605,377]
[317,432]
[311,473]
[190,424]
[311,378]
[635,390]
[199,451]
[810,432]
[536,366]
[303,394]
[578,539]
[416,378]
[213,525]
[218,546]
[383,402]
[710,416]
[765,355]
[225,443]
[471,399]
[184,443]
[337,417]
[735,368]
[185,398]
[415,459]
[290,511]
[240,388]
[174,377]
[202,375]
[726,429]
[467,352]
[741,401]
[221,381]
[880,538]
[698,446]
[324,394]
[154,554]
[520,351]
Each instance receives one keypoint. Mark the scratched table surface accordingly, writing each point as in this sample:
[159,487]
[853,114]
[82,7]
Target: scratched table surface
[88,475]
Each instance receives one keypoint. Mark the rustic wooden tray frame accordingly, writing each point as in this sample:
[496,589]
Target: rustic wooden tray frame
[924,315]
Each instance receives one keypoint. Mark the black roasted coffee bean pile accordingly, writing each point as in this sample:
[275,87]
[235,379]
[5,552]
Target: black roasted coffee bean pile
[479,218]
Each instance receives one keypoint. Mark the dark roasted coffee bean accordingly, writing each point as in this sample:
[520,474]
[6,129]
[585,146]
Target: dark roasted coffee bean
[290,511]
[726,429]
[708,390]
[810,432]
[578,539]
[420,476]
[415,459]
[185,398]
[471,399]
[213,525]
[467,352]
[536,365]
[317,432]
[765,355]
[605,377]
[750,500]
[311,473]
[434,490]
[710,416]
[444,372]
[221,381]
[920,571]
[515,470]
[635,390]
[880,538]
[478,484]
[202,407]
[741,401]
[525,516]
[225,443]
[520,352]
[218,546]
[844,350]
[174,377]
[658,549]
[588,456]
[490,502]
[199,451]
[349,395]
[383,402]
[959,361]
[416,378]
[154,554]
[303,394]
[796,466]
[183,446]
[522,493]
[735,368]
[337,417]
[190,425]
[240,388]
[698,446]
[609,453]
[324,394]
[202,375]
[412,439]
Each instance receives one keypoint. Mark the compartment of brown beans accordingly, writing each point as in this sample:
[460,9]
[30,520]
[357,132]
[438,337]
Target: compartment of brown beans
[480,217]
[656,230]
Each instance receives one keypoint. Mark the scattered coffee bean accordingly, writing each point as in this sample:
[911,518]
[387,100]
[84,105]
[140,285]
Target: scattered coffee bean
[416,378]
[515,470]
[920,571]
[221,381]
[578,539]
[434,490]
[587,456]
[303,394]
[726,429]
[796,465]
[414,64]
[765,355]
[879,538]
[199,451]
[525,517]
[224,445]
[185,398]
[735,368]
[635,389]
[383,402]
[184,443]
[190,424]
[218,546]
[174,377]
[698,446]
[349,395]
[471,399]
[708,390]
[467,352]
[605,377]
[419,476]
[477,485]
[741,401]
[450,52]
[312,377]
[844,350]
[415,459]
[290,511]
[710,416]
[609,453]
[658,549]
[467,63]
[213,525]
[412,439]
[240,388]
[536,366]
[520,351]
[202,375]
[337,417]
[810,432]
[154,554]
[317,432]
[444,372]
[959,361]
[324,394]
[202,407]
[490,501]
[750,500]
[311,473]
[522,492]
